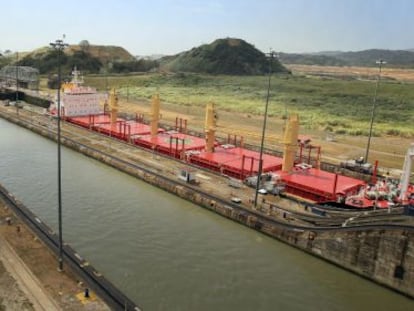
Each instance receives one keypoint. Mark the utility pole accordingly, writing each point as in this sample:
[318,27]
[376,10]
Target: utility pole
[106,79]
[17,80]
[259,173]
[59,45]
[108,67]
[374,106]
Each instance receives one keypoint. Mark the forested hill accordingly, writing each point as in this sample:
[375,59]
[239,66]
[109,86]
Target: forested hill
[223,56]
[366,58]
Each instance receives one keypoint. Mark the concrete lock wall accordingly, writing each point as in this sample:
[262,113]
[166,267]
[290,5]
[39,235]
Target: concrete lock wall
[386,256]
[383,256]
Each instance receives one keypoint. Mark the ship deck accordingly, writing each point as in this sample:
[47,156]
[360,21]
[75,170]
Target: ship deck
[171,143]
[235,161]
[91,120]
[319,185]
[125,129]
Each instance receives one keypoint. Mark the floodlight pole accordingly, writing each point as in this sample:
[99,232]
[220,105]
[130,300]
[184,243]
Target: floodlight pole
[59,45]
[17,80]
[374,105]
[259,173]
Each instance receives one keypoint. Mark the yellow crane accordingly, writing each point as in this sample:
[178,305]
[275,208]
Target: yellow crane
[155,114]
[114,106]
[210,127]
[290,142]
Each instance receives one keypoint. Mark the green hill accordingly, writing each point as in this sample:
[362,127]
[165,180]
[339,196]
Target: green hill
[366,58]
[223,56]
[311,59]
[105,53]
[47,61]
[394,58]
[88,58]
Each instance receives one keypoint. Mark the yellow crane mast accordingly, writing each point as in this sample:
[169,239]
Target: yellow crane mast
[114,106]
[155,114]
[290,142]
[210,127]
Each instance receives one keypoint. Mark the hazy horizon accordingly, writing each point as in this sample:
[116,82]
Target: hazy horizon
[168,27]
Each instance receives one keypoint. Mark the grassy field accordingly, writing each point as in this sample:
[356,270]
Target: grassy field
[398,74]
[339,106]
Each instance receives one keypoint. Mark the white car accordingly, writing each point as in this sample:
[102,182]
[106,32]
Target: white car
[236,200]
[262,191]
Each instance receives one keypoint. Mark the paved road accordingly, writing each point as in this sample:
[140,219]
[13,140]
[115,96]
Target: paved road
[27,282]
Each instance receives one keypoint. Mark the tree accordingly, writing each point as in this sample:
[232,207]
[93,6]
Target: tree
[5,58]
[84,45]
[53,81]
[84,61]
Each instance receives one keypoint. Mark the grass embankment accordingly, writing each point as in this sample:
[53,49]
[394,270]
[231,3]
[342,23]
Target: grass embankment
[333,105]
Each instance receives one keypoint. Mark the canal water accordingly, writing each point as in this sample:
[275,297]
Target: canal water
[166,253]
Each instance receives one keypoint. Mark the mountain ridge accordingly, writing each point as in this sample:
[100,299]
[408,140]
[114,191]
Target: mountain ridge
[222,56]
[364,58]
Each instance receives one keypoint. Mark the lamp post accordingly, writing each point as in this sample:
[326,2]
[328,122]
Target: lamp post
[374,106]
[59,45]
[17,80]
[259,173]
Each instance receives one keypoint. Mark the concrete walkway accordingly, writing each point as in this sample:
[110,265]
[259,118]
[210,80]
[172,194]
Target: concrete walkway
[27,282]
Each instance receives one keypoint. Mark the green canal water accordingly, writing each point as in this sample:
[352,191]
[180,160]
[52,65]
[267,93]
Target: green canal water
[169,254]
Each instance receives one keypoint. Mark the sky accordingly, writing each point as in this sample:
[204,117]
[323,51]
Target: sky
[171,26]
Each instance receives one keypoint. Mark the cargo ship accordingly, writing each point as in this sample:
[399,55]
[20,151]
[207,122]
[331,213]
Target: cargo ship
[77,99]
[297,174]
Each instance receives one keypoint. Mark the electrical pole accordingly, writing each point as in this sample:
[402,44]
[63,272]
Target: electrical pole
[374,106]
[259,173]
[59,45]
[17,80]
